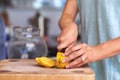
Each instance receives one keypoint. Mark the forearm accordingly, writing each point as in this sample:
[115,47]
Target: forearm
[110,48]
[69,13]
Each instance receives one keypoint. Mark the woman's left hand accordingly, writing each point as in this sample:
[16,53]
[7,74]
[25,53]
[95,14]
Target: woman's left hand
[81,54]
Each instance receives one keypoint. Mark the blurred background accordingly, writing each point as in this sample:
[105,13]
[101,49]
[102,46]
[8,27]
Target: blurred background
[43,14]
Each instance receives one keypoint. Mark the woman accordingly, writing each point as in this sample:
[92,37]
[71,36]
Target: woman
[100,36]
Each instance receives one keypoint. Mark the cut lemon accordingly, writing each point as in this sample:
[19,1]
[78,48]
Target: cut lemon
[46,62]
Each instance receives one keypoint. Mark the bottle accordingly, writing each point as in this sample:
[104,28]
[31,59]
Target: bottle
[26,44]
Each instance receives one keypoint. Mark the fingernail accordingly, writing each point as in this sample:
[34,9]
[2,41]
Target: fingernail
[63,54]
[63,61]
[67,66]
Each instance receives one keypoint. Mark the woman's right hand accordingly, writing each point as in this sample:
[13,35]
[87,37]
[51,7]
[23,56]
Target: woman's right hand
[68,36]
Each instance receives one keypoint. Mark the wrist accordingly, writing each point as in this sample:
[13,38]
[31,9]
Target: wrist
[65,21]
[64,24]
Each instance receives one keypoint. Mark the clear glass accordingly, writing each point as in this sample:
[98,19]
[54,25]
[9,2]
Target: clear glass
[26,44]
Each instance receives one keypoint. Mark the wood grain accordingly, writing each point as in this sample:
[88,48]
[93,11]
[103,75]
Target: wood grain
[24,69]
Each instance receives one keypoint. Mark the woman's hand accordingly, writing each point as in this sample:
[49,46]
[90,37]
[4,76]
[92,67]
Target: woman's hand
[82,54]
[68,36]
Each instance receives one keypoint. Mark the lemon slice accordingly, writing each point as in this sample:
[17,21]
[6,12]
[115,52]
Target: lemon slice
[46,62]
[37,60]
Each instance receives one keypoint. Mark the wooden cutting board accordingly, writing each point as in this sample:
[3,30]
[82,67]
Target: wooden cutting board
[26,69]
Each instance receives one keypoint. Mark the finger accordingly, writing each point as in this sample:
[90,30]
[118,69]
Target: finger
[74,63]
[71,45]
[71,49]
[68,48]
[60,39]
[80,64]
[79,46]
[83,61]
[74,55]
[75,48]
